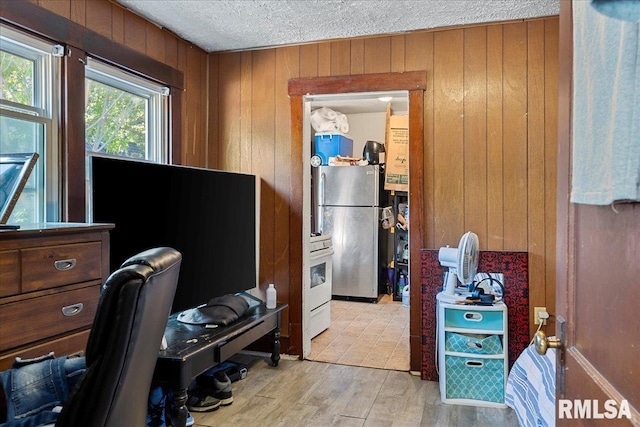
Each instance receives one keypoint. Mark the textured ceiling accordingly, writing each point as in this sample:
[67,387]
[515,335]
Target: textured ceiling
[219,25]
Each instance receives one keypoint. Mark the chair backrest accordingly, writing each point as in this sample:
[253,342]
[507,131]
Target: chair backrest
[124,342]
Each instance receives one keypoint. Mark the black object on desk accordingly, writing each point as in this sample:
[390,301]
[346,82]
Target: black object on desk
[192,349]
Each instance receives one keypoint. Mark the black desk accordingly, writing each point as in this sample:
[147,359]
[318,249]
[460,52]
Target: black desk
[192,349]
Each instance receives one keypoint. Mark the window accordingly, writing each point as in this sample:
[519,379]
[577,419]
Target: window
[28,119]
[125,115]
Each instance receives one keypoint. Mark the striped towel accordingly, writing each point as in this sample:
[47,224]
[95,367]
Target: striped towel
[531,388]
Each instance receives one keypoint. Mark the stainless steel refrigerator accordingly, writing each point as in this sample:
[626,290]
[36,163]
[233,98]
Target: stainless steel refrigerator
[347,202]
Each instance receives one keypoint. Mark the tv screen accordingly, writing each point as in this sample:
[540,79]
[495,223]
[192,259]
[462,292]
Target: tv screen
[209,216]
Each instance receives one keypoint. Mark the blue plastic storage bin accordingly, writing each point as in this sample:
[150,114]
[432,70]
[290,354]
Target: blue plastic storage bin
[332,145]
[476,379]
[465,343]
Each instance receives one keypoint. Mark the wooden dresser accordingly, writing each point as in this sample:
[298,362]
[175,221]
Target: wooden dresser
[50,280]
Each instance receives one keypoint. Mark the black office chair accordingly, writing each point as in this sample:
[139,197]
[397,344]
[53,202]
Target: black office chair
[124,342]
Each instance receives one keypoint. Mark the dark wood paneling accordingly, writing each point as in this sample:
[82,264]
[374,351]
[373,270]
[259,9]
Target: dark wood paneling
[263,155]
[514,148]
[226,134]
[419,56]
[536,163]
[360,83]
[98,17]
[416,231]
[450,97]
[448,137]
[78,12]
[287,63]
[397,64]
[246,92]
[175,151]
[213,110]
[117,23]
[324,59]
[475,130]
[60,29]
[357,57]
[495,138]
[551,50]
[377,55]
[295,224]
[61,8]
[135,34]
[340,57]
[155,43]
[309,60]
[171,50]
[72,139]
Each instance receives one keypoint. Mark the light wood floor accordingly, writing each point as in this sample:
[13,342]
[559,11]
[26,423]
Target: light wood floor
[308,393]
[365,334]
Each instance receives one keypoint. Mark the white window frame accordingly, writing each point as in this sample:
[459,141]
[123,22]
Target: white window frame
[157,144]
[44,111]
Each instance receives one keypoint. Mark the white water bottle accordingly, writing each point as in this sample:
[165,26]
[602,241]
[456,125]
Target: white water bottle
[271,296]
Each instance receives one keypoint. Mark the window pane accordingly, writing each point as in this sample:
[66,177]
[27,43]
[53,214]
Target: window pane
[21,136]
[17,79]
[116,121]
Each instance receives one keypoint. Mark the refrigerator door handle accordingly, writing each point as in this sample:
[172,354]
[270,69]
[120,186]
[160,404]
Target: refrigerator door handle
[323,177]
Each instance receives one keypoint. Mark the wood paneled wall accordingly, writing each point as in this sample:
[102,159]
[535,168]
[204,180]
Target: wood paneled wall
[490,124]
[489,137]
[122,26]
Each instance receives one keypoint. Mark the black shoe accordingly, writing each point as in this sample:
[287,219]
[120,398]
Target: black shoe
[202,399]
[222,388]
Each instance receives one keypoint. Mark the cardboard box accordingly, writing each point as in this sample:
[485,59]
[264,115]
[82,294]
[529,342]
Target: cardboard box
[397,148]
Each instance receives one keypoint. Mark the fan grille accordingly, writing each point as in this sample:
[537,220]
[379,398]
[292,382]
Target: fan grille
[467,257]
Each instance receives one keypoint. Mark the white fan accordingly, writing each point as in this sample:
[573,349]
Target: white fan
[462,262]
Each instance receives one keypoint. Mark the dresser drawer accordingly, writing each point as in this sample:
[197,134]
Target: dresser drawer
[34,319]
[64,346]
[9,273]
[52,266]
[473,319]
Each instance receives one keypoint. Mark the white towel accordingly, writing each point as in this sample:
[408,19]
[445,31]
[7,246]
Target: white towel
[342,123]
[325,119]
[606,108]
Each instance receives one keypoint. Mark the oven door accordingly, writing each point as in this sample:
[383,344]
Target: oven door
[321,270]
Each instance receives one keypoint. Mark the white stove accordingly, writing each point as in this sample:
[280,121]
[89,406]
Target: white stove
[321,271]
[319,242]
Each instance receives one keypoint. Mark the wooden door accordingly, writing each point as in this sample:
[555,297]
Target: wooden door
[598,279]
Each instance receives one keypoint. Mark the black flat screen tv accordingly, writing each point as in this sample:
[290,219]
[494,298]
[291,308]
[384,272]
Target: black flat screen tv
[209,216]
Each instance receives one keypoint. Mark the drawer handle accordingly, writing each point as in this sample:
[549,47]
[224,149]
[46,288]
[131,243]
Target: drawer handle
[475,345]
[65,264]
[473,316]
[72,310]
[474,363]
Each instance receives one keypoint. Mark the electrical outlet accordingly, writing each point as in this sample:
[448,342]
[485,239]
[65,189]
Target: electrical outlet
[536,316]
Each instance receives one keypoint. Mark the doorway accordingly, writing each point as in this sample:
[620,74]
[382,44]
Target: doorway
[414,83]
[355,326]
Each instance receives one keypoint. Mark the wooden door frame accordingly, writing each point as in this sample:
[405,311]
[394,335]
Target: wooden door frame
[415,82]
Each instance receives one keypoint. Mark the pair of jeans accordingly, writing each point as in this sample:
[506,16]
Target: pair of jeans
[33,387]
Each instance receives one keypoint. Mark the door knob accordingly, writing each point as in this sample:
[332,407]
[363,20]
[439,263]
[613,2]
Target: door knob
[542,343]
